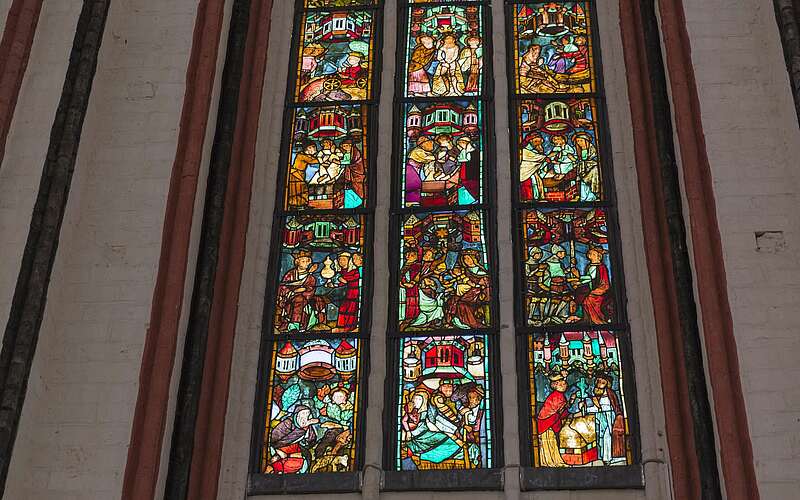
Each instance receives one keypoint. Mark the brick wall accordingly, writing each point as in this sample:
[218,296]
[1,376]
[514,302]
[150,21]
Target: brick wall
[76,422]
[754,150]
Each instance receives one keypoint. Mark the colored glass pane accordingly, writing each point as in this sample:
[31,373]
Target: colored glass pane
[444,406]
[335,56]
[445,51]
[553,48]
[567,269]
[328,160]
[578,408]
[558,151]
[312,407]
[442,154]
[312,4]
[321,266]
[444,279]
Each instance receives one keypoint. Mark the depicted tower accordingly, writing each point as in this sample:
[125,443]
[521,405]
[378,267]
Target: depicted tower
[345,360]
[286,361]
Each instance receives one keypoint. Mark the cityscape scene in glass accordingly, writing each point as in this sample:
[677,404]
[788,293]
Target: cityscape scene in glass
[443,278]
[553,51]
[558,153]
[336,53]
[445,51]
[328,158]
[312,407]
[577,402]
[443,154]
[568,269]
[444,404]
[321,265]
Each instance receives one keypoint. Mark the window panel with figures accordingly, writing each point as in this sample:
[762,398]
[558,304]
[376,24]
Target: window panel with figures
[570,312]
[314,355]
[558,150]
[444,51]
[443,291]
[444,404]
[553,48]
[443,153]
[312,406]
[336,56]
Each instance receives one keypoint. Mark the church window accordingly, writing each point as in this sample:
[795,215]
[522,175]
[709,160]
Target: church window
[443,326]
[570,301]
[316,321]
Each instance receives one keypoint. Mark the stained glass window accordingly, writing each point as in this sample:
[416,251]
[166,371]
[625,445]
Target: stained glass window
[335,57]
[313,400]
[443,153]
[318,296]
[579,373]
[443,288]
[570,306]
[329,157]
[558,150]
[445,403]
[553,48]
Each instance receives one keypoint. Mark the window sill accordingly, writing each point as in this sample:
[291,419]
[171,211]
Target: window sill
[444,480]
[583,478]
[270,484]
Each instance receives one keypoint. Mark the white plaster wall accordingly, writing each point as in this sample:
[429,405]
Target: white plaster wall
[26,145]
[76,422]
[239,423]
[753,145]
[5,5]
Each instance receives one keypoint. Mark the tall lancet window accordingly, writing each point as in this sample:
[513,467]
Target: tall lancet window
[317,313]
[574,341]
[443,392]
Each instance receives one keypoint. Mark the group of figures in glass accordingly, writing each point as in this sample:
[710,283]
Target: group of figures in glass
[445,51]
[336,56]
[312,407]
[444,404]
[444,280]
[554,53]
[443,154]
[577,400]
[328,163]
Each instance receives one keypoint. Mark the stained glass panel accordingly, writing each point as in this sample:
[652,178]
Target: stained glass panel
[444,274]
[312,407]
[445,51]
[578,408]
[321,266]
[567,270]
[442,153]
[444,406]
[335,56]
[553,52]
[558,150]
[329,158]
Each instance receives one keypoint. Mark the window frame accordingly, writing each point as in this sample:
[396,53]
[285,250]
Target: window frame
[570,478]
[260,483]
[477,479]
